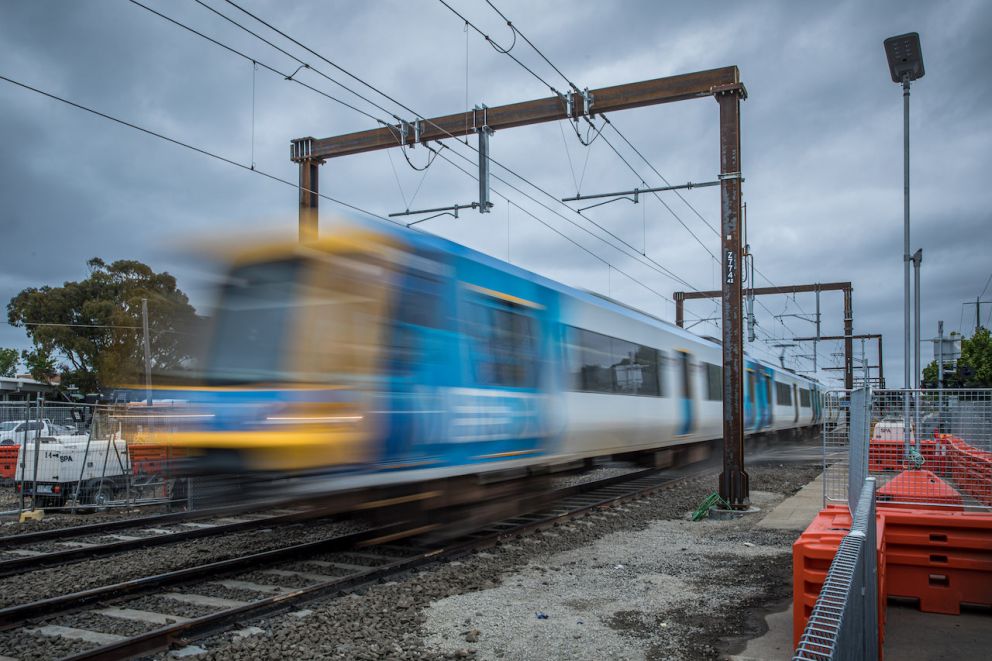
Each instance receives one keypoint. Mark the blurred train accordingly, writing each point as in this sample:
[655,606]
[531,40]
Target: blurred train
[381,355]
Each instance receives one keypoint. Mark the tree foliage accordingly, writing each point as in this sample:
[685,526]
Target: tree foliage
[8,362]
[90,330]
[974,368]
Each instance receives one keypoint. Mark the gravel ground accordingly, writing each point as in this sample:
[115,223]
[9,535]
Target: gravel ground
[31,586]
[598,473]
[640,582]
[9,500]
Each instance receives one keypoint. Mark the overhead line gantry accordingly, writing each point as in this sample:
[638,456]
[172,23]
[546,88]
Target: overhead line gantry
[682,296]
[723,84]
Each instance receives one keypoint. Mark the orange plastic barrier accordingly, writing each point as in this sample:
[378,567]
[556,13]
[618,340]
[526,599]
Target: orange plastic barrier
[8,461]
[890,455]
[970,468]
[939,557]
[944,559]
[912,487]
[151,458]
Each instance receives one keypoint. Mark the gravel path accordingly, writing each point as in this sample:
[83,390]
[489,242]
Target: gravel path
[637,582]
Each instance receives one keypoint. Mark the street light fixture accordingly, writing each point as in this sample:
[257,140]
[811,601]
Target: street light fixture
[905,58]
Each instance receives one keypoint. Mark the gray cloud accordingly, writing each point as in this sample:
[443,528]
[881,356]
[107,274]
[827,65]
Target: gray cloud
[822,141]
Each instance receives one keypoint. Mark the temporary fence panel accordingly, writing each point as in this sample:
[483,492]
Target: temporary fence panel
[81,455]
[844,621]
[947,462]
[837,446]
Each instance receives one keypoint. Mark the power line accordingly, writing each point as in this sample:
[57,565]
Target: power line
[617,130]
[408,109]
[986,287]
[255,60]
[116,326]
[179,24]
[174,141]
[422,117]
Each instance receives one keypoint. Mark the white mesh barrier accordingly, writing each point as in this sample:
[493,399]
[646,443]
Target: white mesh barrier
[926,447]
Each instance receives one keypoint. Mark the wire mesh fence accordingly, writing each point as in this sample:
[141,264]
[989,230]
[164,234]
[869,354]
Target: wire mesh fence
[844,621]
[85,456]
[926,447]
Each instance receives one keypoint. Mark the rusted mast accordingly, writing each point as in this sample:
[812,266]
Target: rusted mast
[301,153]
[734,487]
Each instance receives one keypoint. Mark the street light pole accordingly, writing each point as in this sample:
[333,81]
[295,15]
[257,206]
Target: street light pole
[905,58]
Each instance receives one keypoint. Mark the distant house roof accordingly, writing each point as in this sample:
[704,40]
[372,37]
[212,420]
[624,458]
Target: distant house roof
[24,384]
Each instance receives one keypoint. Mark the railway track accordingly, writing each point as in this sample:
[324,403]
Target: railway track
[230,592]
[47,549]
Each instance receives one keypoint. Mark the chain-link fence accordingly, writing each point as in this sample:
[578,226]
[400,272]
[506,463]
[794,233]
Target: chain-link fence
[844,621]
[926,447]
[83,456]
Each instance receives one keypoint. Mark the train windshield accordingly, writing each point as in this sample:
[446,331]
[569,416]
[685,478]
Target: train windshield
[301,320]
[252,321]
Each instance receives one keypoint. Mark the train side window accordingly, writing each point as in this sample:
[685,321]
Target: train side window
[804,399]
[783,395]
[505,339]
[418,307]
[603,364]
[714,382]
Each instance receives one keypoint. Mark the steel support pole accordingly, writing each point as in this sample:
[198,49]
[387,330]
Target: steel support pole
[881,362]
[907,381]
[680,309]
[734,487]
[848,342]
[917,262]
[940,374]
[147,351]
[309,199]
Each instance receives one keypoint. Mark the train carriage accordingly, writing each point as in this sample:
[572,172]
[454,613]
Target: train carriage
[384,352]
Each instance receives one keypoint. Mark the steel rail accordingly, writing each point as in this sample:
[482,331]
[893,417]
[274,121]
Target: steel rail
[58,558]
[13,616]
[615,490]
[7,541]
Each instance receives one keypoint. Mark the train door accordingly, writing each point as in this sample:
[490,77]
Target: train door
[750,408]
[502,409]
[765,397]
[686,394]
[418,365]
[795,402]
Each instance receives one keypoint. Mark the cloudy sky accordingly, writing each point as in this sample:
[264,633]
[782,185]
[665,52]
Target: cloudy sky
[822,144]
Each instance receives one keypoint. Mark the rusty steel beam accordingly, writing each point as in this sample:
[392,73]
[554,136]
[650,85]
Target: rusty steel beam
[682,296]
[847,339]
[605,99]
[734,486]
[763,291]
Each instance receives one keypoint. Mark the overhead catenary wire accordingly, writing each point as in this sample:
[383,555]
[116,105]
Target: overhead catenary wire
[188,146]
[605,121]
[422,117]
[435,154]
[986,287]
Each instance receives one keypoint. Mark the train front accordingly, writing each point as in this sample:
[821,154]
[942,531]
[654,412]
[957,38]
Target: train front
[289,378]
